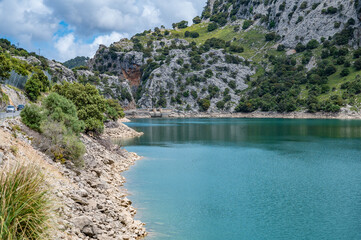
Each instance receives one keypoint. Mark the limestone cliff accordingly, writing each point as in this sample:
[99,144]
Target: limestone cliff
[295,21]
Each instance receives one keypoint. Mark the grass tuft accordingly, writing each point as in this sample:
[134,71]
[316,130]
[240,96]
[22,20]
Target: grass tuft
[24,204]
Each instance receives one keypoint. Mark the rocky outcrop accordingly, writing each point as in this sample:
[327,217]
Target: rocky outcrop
[123,64]
[91,202]
[16,96]
[218,77]
[60,73]
[118,130]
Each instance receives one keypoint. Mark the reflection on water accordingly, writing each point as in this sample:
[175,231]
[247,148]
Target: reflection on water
[258,179]
[220,131]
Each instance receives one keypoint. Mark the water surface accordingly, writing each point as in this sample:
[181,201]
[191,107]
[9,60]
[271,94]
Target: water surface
[210,179]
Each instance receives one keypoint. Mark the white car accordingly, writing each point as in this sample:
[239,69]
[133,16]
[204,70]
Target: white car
[10,109]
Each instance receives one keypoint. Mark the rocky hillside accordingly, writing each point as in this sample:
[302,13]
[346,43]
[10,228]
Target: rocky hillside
[90,203]
[245,56]
[295,21]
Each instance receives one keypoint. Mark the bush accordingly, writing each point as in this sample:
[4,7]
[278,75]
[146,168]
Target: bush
[90,104]
[345,72]
[25,205]
[33,88]
[270,36]
[220,104]
[197,20]
[357,64]
[300,47]
[247,24]
[5,68]
[204,104]
[32,116]
[312,44]
[212,26]
[37,84]
[281,48]
[236,49]
[60,109]
[194,35]
[114,111]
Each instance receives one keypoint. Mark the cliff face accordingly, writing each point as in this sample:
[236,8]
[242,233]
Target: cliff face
[295,21]
[119,61]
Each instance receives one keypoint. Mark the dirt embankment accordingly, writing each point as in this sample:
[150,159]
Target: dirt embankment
[91,202]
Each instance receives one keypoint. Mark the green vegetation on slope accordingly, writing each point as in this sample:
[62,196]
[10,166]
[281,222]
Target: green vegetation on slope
[76,62]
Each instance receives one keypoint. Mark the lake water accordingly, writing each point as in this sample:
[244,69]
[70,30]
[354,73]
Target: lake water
[208,179]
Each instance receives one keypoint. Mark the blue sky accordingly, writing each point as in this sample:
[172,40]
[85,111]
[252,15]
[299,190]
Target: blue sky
[63,29]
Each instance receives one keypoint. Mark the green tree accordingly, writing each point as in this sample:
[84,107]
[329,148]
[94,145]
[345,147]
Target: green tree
[5,68]
[212,26]
[33,87]
[91,106]
[197,20]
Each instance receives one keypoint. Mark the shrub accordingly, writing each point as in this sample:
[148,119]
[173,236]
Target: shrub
[281,48]
[212,26]
[357,53]
[197,20]
[33,88]
[220,104]
[345,72]
[74,150]
[194,35]
[60,109]
[247,24]
[204,104]
[208,73]
[32,116]
[357,64]
[270,36]
[312,44]
[90,104]
[25,205]
[114,110]
[236,49]
[5,68]
[194,94]
[303,5]
[300,47]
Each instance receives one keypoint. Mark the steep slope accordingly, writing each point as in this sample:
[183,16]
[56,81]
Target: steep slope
[245,56]
[295,21]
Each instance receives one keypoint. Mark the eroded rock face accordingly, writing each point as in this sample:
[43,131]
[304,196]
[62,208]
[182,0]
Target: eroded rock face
[125,65]
[300,21]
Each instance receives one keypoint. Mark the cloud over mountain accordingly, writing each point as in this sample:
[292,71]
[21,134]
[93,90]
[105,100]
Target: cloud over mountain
[73,27]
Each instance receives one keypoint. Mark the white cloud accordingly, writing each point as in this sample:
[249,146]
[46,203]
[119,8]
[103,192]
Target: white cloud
[68,47]
[36,22]
[28,20]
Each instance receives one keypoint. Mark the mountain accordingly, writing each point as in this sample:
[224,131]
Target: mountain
[238,56]
[245,56]
[295,21]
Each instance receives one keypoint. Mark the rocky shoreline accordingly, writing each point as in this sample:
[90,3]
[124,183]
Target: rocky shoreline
[91,202]
[345,114]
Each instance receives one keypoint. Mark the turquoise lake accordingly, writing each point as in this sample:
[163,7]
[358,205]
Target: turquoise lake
[208,179]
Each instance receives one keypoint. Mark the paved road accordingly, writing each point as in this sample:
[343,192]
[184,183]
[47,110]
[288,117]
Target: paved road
[9,115]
